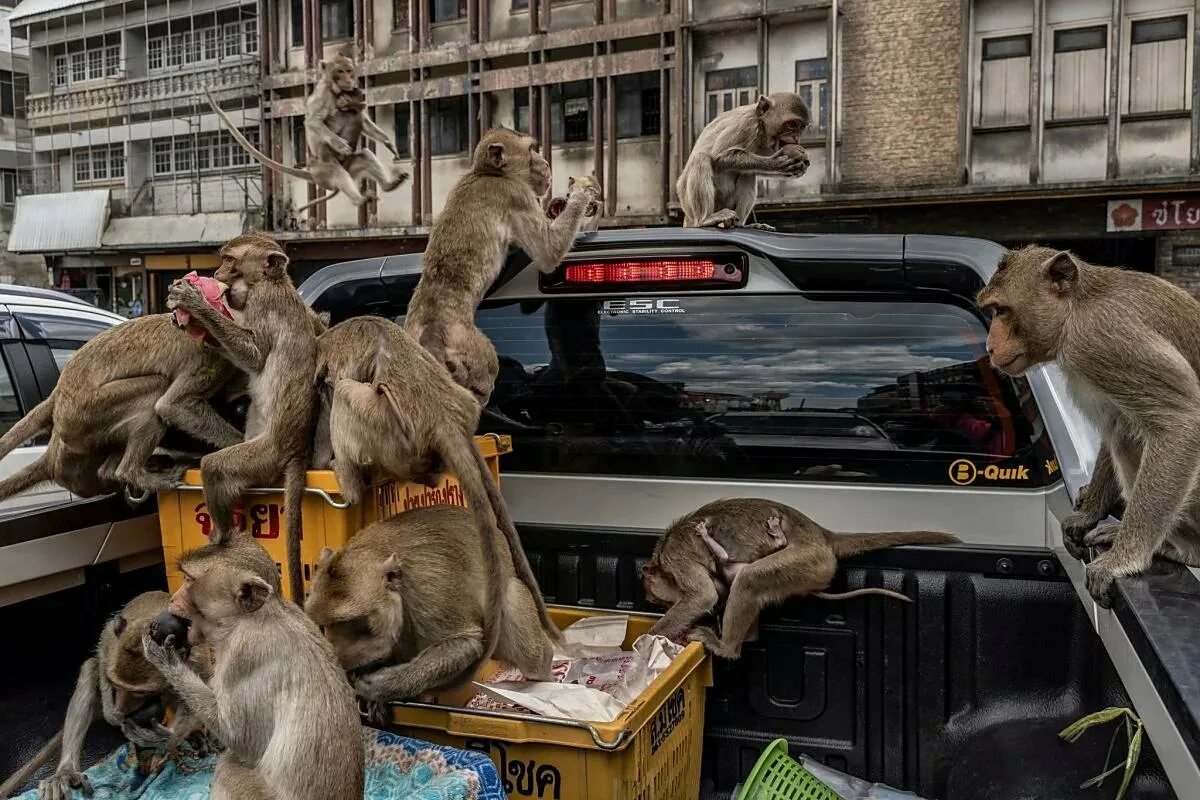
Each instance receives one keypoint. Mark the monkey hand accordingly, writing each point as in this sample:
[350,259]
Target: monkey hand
[183,295]
[164,657]
[709,638]
[340,146]
[1074,526]
[375,687]
[791,161]
[1101,574]
[154,736]
[59,785]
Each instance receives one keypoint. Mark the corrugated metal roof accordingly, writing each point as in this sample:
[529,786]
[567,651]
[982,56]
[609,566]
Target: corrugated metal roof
[32,8]
[174,229]
[53,223]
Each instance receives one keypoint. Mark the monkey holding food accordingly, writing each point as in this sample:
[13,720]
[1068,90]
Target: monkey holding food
[387,404]
[112,405]
[277,698]
[119,685]
[718,186]
[686,572]
[415,603]
[1128,344]
[591,216]
[277,349]
[497,203]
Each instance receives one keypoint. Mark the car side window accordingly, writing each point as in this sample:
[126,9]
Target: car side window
[777,387]
[62,334]
[10,406]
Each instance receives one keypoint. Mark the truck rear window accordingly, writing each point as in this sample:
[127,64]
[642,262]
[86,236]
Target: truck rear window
[776,387]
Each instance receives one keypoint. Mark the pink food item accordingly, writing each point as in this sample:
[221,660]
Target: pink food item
[214,294]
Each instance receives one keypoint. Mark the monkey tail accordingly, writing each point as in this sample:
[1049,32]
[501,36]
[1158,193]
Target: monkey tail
[293,496]
[845,545]
[455,451]
[36,422]
[22,775]
[322,199]
[254,152]
[509,529]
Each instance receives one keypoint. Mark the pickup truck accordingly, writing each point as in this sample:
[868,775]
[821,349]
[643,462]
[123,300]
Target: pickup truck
[656,370]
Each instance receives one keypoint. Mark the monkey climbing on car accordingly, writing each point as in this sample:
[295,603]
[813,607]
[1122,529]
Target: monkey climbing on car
[335,120]
[719,183]
[119,685]
[1128,344]
[686,572]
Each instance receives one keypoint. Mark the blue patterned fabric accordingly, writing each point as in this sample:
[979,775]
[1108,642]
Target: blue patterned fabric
[397,769]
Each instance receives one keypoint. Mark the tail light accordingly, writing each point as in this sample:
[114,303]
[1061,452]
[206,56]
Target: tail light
[659,272]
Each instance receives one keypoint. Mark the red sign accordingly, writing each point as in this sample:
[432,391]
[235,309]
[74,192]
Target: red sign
[1153,215]
[265,519]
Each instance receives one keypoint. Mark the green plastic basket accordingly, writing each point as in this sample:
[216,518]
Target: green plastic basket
[778,776]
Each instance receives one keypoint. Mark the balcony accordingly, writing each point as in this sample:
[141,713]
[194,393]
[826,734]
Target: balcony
[141,95]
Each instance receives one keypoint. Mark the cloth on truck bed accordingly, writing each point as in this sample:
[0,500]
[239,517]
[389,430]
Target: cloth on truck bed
[397,769]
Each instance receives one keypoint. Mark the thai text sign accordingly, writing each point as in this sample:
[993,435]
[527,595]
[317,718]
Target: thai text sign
[1171,214]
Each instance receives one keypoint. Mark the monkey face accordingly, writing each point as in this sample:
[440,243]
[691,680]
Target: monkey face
[135,680]
[658,588]
[340,72]
[246,260]
[507,152]
[355,600]
[587,183]
[784,118]
[223,582]
[1027,299]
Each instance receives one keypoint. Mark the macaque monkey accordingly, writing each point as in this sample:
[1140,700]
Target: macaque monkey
[335,121]
[685,570]
[277,699]
[112,405]
[495,204]
[719,183]
[119,685]
[277,349]
[387,404]
[1128,346]
[415,603]
[591,216]
[727,567]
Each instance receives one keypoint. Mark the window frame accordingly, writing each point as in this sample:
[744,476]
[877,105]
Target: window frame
[403,145]
[8,179]
[209,153]
[977,60]
[461,133]
[1126,96]
[1050,56]
[326,36]
[736,93]
[105,164]
[815,129]
[8,100]
[431,8]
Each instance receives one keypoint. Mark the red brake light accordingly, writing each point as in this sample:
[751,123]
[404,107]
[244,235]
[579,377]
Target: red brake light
[669,270]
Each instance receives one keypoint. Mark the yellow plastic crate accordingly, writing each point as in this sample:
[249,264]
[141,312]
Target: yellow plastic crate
[326,519]
[650,752]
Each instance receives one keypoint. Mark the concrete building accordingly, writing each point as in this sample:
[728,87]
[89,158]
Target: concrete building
[131,180]
[14,158]
[1065,121]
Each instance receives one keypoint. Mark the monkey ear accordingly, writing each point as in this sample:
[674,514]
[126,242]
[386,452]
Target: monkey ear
[496,156]
[119,625]
[323,559]
[276,265]
[1060,271]
[764,105]
[571,182]
[322,65]
[391,572]
[252,592]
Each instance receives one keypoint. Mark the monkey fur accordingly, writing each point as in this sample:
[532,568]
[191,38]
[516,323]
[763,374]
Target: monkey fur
[593,213]
[111,407]
[415,603]
[128,689]
[335,120]
[718,186]
[497,203]
[684,572]
[277,349]
[386,403]
[277,699]
[1128,344]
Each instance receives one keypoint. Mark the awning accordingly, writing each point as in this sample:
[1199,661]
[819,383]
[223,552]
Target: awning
[58,222]
[34,8]
[174,230]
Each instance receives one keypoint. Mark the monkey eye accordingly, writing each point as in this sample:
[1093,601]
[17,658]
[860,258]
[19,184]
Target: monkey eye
[998,311]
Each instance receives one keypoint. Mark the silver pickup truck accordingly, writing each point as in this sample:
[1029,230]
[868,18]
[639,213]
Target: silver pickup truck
[656,370]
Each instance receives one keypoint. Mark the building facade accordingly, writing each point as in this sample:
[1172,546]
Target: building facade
[131,179]
[14,155]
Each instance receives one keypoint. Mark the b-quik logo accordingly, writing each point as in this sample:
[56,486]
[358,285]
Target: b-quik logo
[963,472]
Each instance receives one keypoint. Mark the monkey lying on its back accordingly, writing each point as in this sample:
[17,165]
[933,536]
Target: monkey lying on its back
[738,541]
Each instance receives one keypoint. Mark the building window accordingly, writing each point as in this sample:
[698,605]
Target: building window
[299,148]
[571,112]
[447,10]
[1004,81]
[112,61]
[222,145]
[212,44]
[99,164]
[206,152]
[250,35]
[231,39]
[7,101]
[183,154]
[812,84]
[403,121]
[337,19]
[400,15]
[238,156]
[83,166]
[95,65]
[297,23]
[60,70]
[162,157]
[1080,67]
[78,67]
[725,89]
[1158,65]
[8,187]
[175,50]
[637,105]
[448,126]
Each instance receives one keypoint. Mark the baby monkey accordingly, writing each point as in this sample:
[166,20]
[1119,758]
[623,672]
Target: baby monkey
[592,214]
